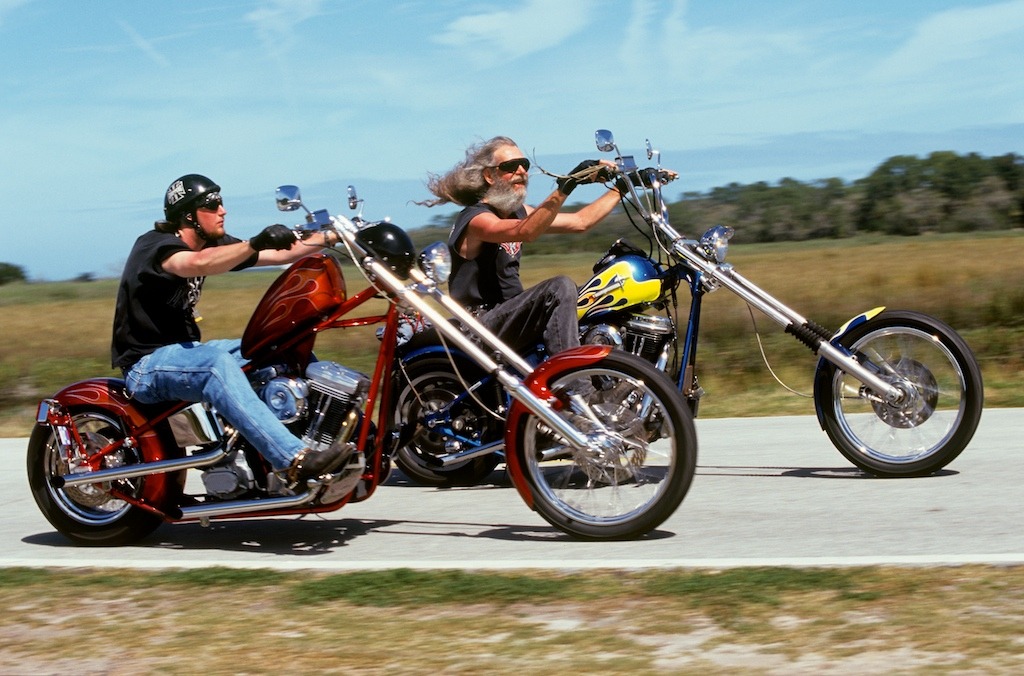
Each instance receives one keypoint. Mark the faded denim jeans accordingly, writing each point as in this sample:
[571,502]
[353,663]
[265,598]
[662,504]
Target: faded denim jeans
[211,372]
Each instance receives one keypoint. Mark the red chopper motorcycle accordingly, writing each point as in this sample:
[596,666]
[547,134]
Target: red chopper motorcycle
[613,463]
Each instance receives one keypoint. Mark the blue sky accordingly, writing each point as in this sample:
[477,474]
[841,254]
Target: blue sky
[105,102]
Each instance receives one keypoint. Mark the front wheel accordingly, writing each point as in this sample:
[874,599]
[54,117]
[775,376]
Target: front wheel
[939,410]
[89,514]
[639,463]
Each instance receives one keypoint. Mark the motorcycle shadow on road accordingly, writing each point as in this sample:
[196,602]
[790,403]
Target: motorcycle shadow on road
[802,472]
[316,536]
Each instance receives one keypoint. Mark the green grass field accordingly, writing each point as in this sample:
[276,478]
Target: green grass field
[57,333]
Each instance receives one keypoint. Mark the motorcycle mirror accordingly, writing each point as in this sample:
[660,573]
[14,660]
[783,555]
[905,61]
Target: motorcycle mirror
[288,198]
[651,152]
[605,140]
[353,199]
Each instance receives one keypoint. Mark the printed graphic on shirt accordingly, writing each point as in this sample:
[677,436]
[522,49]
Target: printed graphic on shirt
[512,248]
[187,297]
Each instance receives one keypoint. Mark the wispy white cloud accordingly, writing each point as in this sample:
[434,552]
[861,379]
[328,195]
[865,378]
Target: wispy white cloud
[7,6]
[275,21]
[143,44]
[957,35]
[512,33]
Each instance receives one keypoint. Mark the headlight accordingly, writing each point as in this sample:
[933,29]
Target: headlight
[715,243]
[436,262]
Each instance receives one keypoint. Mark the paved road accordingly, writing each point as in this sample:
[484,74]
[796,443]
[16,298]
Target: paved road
[768,491]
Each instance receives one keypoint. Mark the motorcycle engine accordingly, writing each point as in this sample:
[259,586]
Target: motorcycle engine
[229,478]
[315,407]
[648,336]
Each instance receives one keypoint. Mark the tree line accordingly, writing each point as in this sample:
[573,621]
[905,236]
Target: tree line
[905,195]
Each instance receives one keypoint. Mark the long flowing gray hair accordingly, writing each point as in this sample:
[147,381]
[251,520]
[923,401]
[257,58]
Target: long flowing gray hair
[464,184]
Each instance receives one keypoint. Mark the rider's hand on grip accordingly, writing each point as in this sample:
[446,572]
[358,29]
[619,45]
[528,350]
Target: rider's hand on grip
[275,236]
[587,171]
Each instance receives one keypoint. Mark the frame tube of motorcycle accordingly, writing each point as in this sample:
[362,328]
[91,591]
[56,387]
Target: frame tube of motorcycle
[425,286]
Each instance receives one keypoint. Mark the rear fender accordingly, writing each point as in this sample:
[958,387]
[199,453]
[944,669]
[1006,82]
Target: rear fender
[537,382]
[823,364]
[144,424]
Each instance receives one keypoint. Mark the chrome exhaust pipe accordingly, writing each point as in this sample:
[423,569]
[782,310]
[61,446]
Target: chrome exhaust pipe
[219,509]
[142,469]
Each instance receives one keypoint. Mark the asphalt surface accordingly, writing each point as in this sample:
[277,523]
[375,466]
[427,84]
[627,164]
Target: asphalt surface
[768,491]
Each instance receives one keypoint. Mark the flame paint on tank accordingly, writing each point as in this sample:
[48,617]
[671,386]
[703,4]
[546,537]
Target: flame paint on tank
[629,280]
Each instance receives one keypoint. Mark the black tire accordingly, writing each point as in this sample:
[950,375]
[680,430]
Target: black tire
[88,514]
[934,423]
[431,384]
[640,466]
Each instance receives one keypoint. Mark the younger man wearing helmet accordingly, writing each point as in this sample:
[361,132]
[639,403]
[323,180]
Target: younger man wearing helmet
[156,340]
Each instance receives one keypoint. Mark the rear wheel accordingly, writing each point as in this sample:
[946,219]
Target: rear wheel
[940,407]
[639,462]
[89,514]
[441,418]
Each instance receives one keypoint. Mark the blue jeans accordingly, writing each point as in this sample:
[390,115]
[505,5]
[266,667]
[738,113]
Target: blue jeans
[211,372]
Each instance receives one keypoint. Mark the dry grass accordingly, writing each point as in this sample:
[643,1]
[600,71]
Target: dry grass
[56,333]
[772,621]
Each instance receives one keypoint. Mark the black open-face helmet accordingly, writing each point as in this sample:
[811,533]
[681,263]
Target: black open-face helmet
[391,245]
[187,194]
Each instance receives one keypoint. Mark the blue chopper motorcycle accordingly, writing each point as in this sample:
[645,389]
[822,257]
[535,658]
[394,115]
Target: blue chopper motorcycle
[899,393]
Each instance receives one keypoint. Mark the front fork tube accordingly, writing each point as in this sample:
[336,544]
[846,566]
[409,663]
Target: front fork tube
[686,382]
[513,385]
[793,322]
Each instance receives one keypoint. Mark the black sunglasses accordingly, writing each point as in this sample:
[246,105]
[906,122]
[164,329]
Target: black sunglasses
[512,166]
[212,201]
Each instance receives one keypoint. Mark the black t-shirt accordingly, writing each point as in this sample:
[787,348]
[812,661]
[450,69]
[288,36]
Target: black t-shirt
[154,307]
[493,276]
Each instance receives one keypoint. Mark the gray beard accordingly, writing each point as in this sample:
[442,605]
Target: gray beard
[503,197]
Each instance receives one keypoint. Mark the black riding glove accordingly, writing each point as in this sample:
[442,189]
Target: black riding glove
[275,236]
[568,184]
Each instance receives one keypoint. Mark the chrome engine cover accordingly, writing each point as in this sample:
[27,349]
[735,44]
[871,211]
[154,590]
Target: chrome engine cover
[648,336]
[334,390]
[286,398]
[229,479]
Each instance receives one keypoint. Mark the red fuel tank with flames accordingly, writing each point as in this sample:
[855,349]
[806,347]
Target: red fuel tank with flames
[305,295]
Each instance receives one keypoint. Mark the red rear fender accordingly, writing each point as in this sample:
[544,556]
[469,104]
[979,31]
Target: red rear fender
[108,395]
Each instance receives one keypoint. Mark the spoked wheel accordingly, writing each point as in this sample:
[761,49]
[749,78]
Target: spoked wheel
[639,463]
[433,403]
[89,514]
[937,413]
